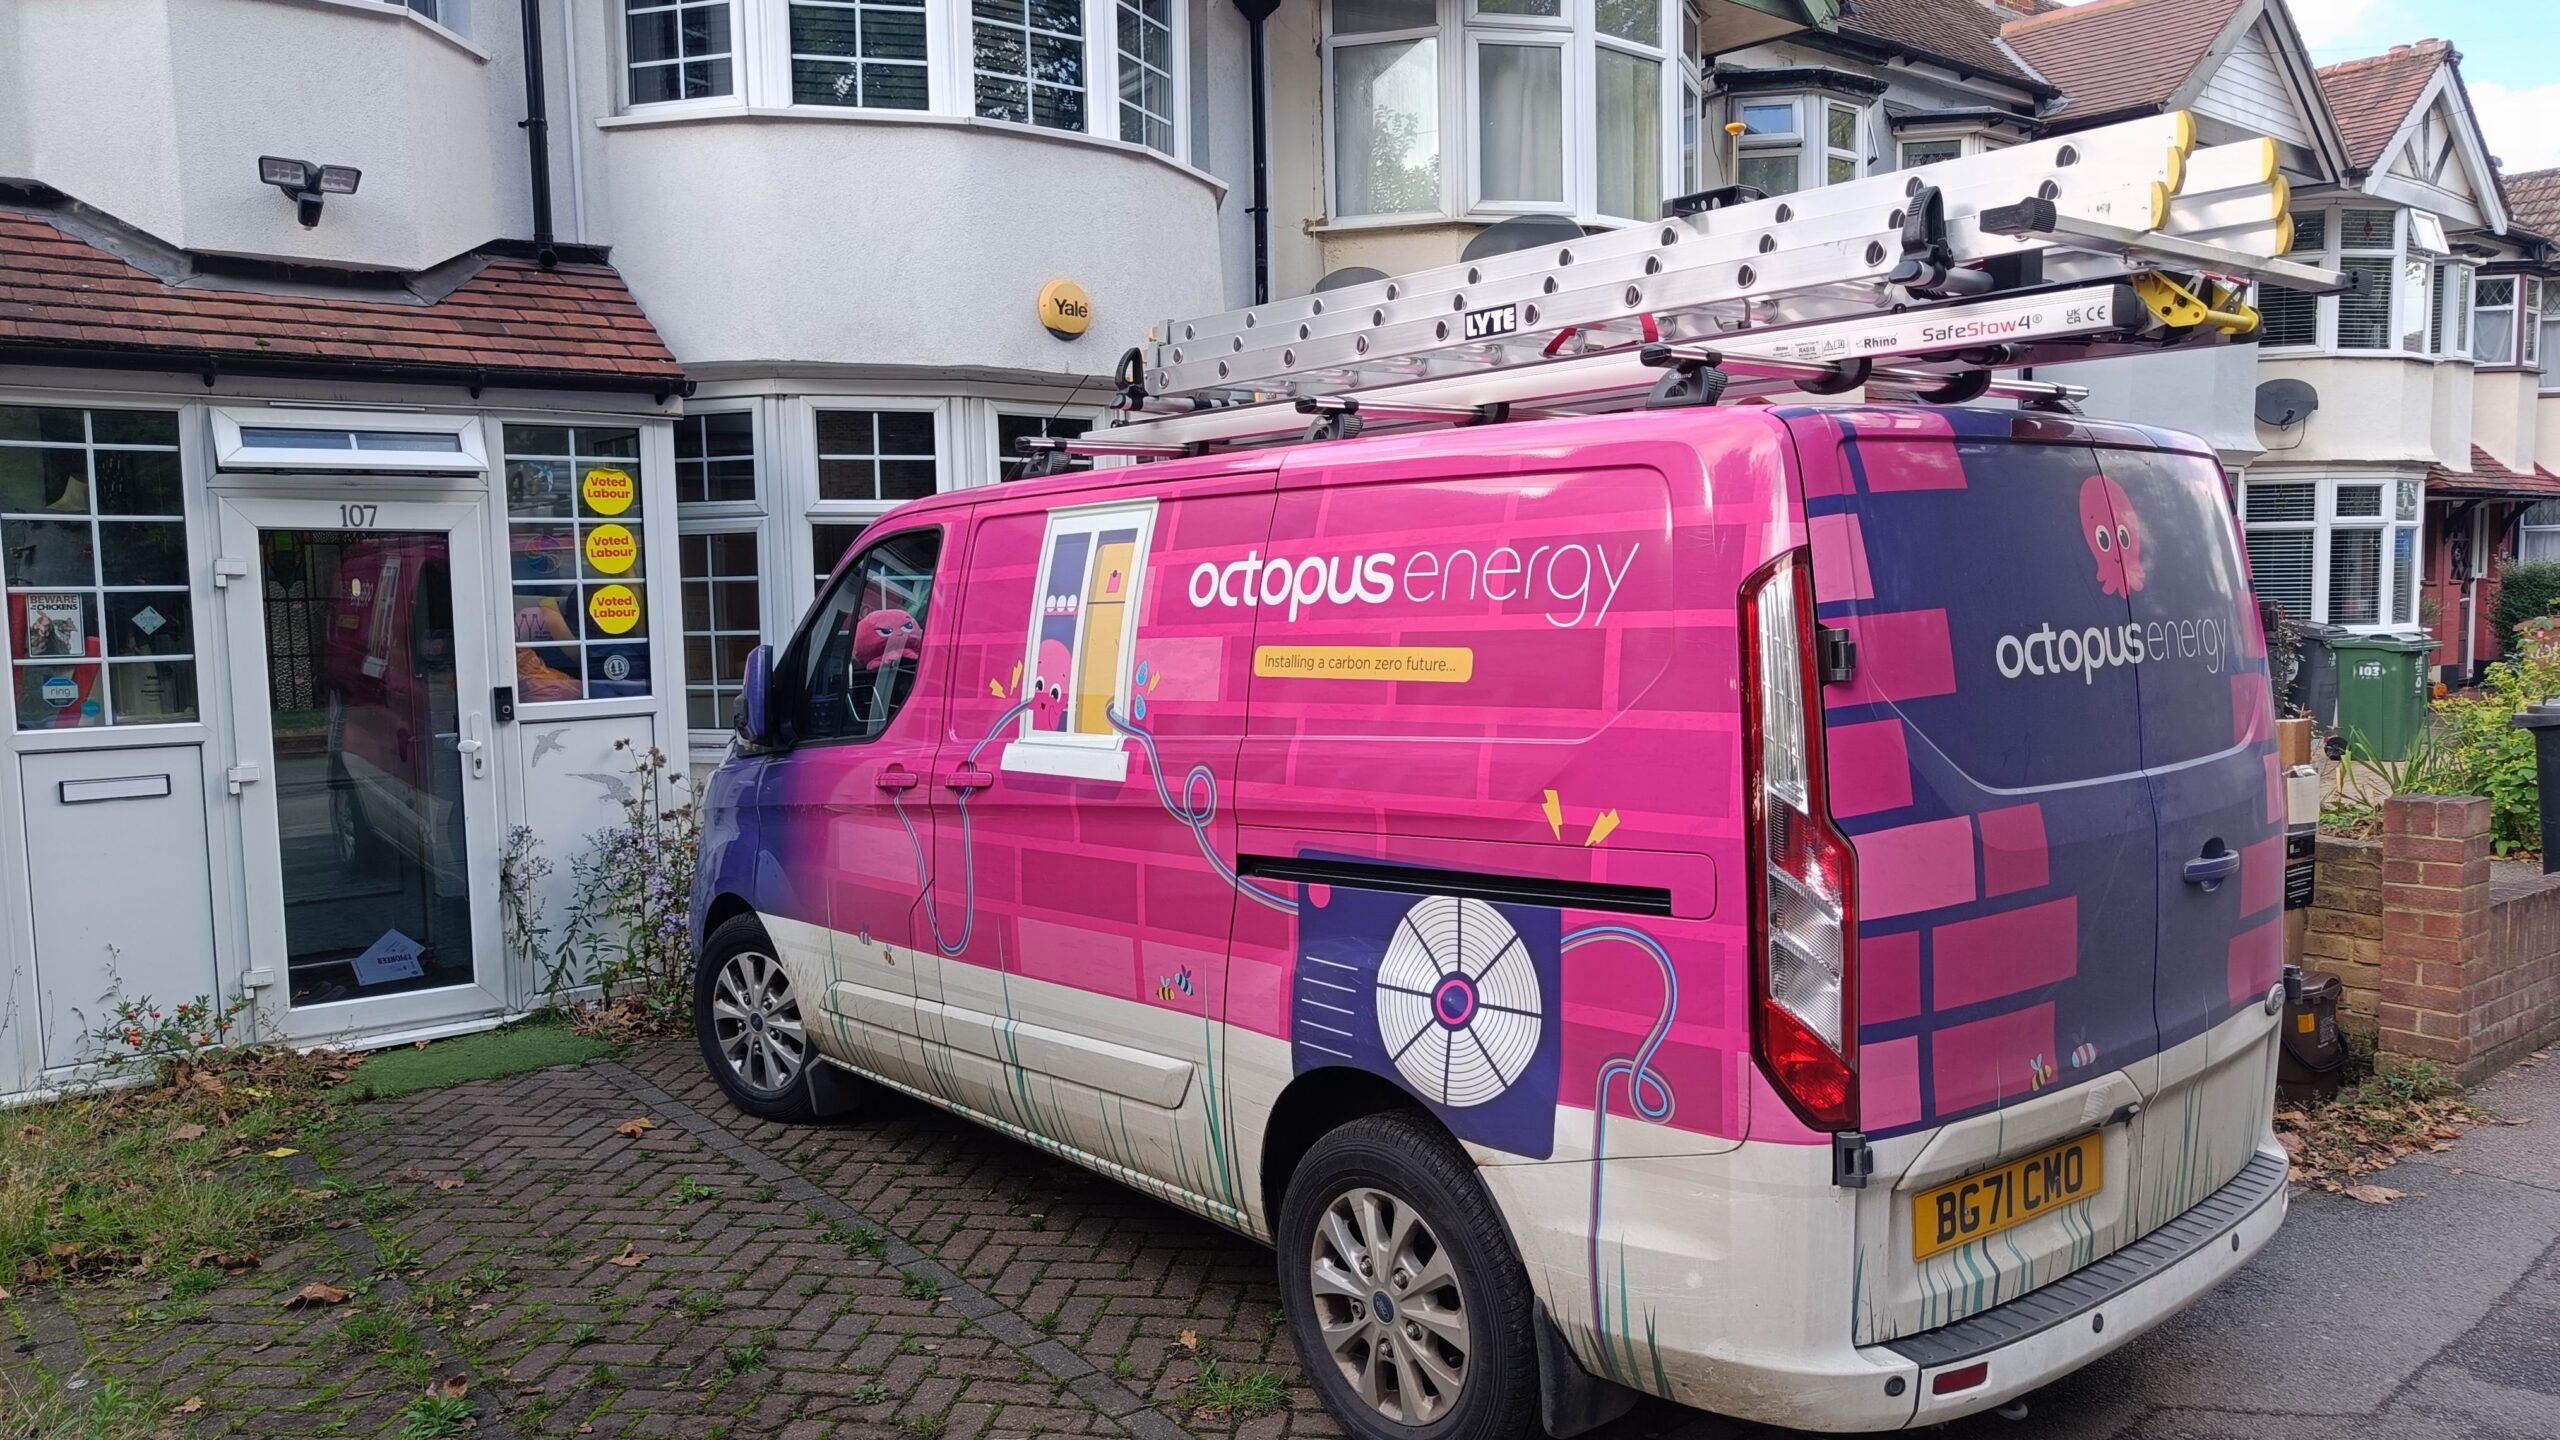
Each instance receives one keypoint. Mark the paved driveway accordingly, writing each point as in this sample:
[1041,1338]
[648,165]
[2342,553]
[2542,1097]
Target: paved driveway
[916,1276]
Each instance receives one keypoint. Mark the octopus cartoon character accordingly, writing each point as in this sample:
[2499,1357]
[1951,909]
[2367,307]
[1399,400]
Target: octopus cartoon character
[1049,687]
[2107,523]
[884,638]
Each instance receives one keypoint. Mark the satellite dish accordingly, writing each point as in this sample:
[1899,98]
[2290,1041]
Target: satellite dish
[1520,232]
[2286,403]
[1348,276]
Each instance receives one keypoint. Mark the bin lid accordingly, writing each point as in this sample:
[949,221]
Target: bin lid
[2410,643]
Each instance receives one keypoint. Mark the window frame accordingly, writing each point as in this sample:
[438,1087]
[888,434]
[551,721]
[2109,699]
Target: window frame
[2326,523]
[724,517]
[687,529]
[760,72]
[644,578]
[2511,309]
[1070,754]
[1459,30]
[815,510]
[1810,140]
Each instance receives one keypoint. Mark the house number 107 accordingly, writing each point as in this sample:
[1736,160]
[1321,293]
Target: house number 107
[358,517]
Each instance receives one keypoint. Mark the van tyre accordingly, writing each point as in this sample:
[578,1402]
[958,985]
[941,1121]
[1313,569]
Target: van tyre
[1407,1302]
[748,1019]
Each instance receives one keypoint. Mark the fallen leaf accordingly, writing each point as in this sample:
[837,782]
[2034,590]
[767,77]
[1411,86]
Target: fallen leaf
[2291,1142]
[317,1293]
[454,1386]
[189,1406]
[31,1133]
[628,1258]
[634,1129]
[4,1292]
[186,1132]
[2373,1194]
[211,1083]
[421,1045]
[280,1152]
[225,1260]
[1190,1339]
[589,1258]
[449,1183]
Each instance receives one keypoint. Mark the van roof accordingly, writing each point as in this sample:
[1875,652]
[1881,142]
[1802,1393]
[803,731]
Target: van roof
[1561,432]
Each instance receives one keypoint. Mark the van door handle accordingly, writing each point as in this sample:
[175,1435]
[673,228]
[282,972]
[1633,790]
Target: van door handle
[2209,870]
[896,778]
[969,778]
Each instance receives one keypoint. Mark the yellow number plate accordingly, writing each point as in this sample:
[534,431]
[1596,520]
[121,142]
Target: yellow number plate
[2013,1194]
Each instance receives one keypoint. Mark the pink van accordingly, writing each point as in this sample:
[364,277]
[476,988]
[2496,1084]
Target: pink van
[1775,908]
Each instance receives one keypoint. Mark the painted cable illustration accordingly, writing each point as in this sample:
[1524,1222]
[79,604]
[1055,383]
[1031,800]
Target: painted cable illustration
[968,854]
[1648,1094]
[1203,783]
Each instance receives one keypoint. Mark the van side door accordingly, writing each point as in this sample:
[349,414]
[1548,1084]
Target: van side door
[1083,882]
[868,678]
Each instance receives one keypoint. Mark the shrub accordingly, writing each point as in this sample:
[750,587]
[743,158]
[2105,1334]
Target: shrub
[2525,589]
[2475,751]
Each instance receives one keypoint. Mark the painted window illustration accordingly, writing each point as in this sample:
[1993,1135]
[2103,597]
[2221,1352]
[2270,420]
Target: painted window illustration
[1083,624]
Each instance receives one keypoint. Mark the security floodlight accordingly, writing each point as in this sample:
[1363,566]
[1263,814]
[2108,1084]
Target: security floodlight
[304,183]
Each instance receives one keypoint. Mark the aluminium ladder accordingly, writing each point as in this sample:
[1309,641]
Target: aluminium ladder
[1931,282]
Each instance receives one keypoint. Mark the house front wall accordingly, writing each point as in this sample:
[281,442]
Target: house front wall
[160,842]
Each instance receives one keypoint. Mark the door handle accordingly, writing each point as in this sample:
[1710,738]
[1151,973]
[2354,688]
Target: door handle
[896,778]
[467,744]
[969,778]
[2208,870]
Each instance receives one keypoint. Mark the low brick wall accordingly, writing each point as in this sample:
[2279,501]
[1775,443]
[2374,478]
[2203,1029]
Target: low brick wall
[2470,971]
[2343,932]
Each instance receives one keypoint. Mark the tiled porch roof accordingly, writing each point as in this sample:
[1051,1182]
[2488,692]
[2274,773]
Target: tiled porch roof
[2487,477]
[68,299]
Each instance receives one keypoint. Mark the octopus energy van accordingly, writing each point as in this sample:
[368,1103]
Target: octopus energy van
[1771,906]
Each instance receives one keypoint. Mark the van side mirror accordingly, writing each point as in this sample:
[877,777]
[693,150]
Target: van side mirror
[755,708]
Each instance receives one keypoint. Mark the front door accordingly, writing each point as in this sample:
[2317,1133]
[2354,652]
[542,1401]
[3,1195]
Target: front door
[360,638]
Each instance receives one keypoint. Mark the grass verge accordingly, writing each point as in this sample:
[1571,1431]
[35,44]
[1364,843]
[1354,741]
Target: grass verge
[535,1044]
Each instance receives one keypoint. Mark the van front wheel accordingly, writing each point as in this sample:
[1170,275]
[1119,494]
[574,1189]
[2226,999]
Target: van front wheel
[1409,1309]
[748,1019]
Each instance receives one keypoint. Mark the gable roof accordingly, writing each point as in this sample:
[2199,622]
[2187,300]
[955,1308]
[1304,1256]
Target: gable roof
[2533,201]
[1963,35]
[2112,57]
[2372,96]
[69,295]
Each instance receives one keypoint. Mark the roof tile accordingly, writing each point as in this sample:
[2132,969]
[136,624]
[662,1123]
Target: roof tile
[2370,97]
[1964,31]
[2533,201]
[2114,56]
[56,288]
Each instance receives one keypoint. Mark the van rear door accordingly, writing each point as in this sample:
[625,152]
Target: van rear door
[1986,761]
[2208,747]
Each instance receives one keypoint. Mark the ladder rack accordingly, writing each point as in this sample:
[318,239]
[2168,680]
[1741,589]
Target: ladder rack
[1928,283]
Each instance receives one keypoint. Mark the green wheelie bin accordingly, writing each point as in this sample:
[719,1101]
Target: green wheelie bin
[2382,693]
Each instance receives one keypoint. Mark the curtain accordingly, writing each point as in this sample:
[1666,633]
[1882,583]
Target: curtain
[1520,134]
[1630,135]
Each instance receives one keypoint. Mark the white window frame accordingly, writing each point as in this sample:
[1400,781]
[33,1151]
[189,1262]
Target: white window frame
[815,511]
[1810,141]
[997,411]
[760,71]
[470,456]
[1068,754]
[1459,30]
[725,517]
[687,528]
[2414,238]
[2326,522]
[2505,312]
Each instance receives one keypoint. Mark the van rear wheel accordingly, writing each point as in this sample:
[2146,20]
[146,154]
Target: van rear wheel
[748,1019]
[1409,1308]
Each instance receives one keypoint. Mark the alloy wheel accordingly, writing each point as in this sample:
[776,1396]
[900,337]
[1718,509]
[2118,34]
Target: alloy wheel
[1388,1302]
[756,1021]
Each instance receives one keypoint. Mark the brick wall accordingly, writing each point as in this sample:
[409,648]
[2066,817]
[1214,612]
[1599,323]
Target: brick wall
[2470,979]
[2343,932]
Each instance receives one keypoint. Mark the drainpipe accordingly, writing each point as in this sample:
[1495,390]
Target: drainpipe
[537,137]
[1255,13]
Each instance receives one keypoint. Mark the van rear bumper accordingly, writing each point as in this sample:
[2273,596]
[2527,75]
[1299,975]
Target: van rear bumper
[2035,1339]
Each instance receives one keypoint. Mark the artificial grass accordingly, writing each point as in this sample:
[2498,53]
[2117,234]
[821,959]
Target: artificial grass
[533,1045]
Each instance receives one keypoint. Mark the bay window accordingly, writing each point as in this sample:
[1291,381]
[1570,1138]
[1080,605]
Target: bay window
[720,509]
[1113,69]
[2493,304]
[1569,107]
[2335,551]
[868,460]
[1930,152]
[2416,297]
[1799,142]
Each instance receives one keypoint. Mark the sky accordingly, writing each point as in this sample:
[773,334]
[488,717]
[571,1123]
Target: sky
[2510,59]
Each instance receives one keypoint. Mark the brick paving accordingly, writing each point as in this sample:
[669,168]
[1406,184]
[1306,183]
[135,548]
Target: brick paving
[907,1275]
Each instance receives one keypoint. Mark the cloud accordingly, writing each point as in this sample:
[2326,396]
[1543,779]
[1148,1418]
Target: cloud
[2517,124]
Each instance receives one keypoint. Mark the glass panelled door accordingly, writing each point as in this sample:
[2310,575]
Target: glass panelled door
[359,633]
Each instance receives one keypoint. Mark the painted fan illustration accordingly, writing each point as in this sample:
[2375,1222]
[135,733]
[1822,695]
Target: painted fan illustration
[1454,999]
[1458,1001]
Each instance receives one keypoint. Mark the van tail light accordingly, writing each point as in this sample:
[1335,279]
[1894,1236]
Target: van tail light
[1804,890]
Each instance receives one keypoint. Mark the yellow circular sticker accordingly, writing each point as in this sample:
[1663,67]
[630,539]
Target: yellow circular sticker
[612,549]
[614,608]
[608,491]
